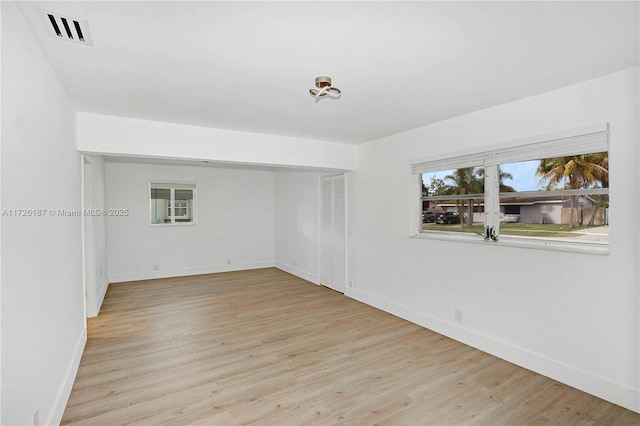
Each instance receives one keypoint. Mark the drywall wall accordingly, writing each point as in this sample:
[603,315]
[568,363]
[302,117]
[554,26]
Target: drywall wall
[297,206]
[43,317]
[234,230]
[95,223]
[102,134]
[573,317]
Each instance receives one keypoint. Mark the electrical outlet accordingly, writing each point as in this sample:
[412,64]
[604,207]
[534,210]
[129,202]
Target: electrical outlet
[294,262]
[350,284]
[228,261]
[100,271]
[156,267]
[458,315]
[35,419]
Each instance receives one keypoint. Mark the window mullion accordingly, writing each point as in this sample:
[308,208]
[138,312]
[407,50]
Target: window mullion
[492,203]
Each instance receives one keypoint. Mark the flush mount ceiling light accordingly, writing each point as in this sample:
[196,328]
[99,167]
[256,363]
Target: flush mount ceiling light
[324,89]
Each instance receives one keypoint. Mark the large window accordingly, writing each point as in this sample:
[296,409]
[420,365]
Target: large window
[551,191]
[172,203]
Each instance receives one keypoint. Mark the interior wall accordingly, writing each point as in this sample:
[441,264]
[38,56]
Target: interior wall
[235,222]
[108,135]
[573,317]
[297,204]
[43,324]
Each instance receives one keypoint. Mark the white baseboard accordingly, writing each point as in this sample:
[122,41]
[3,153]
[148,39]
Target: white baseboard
[70,376]
[137,276]
[601,387]
[298,272]
[103,292]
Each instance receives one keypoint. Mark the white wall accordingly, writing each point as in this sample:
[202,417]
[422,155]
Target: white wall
[235,222]
[297,228]
[573,317]
[102,134]
[43,324]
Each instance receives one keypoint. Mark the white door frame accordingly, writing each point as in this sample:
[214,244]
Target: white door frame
[341,287]
[88,246]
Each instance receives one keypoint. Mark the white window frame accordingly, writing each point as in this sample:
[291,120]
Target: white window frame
[572,142]
[171,205]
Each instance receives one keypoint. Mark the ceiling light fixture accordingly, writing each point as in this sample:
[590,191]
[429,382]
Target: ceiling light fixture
[323,83]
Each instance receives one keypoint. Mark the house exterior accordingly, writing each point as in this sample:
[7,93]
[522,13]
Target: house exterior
[553,209]
[542,209]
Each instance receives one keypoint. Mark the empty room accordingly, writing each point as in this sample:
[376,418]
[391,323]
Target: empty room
[316,212]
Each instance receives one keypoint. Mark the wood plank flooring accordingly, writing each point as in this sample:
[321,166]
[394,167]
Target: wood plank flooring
[265,347]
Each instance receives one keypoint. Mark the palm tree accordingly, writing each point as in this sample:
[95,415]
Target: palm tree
[465,181]
[602,159]
[574,172]
[501,176]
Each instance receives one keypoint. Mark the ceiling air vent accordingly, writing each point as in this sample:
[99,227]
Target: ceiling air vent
[67,28]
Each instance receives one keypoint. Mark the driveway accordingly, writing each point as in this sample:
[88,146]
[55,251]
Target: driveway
[598,234]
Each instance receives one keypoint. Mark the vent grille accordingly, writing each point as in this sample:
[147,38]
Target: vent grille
[67,28]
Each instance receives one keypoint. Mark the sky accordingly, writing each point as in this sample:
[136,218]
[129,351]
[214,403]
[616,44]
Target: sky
[524,175]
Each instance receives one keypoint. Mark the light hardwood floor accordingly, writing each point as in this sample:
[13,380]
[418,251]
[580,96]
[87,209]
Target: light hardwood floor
[268,348]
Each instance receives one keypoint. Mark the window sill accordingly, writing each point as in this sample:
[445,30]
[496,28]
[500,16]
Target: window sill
[164,225]
[521,242]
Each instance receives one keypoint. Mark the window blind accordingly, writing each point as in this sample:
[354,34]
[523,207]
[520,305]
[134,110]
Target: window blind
[577,144]
[183,194]
[160,194]
[471,160]
[172,185]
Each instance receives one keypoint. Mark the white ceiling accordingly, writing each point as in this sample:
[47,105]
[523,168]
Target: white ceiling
[249,65]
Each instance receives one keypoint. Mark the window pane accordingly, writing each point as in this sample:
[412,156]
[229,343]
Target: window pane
[184,205]
[556,198]
[160,198]
[464,211]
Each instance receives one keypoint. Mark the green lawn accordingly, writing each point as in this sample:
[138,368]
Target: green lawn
[548,230]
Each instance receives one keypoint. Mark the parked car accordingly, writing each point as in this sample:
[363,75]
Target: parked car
[510,218]
[428,217]
[448,218]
